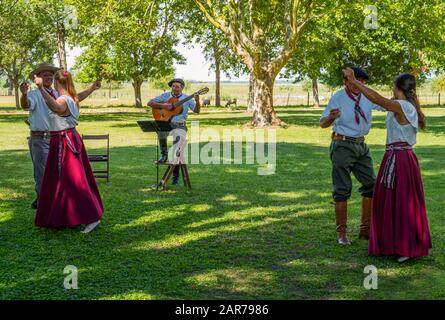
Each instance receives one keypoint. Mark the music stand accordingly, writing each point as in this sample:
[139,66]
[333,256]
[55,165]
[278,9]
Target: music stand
[155,126]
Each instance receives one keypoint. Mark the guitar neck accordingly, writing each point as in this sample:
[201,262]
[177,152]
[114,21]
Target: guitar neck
[184,100]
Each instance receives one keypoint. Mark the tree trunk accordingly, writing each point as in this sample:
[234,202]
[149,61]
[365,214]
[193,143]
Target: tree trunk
[250,97]
[315,92]
[61,46]
[16,92]
[10,87]
[262,102]
[217,81]
[137,84]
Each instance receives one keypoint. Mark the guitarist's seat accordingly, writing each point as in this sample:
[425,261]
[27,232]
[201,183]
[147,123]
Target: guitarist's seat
[178,161]
[169,171]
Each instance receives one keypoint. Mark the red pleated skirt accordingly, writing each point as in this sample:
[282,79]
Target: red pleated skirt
[69,195]
[399,224]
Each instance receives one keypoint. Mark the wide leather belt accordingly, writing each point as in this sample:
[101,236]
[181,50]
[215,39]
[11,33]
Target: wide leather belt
[340,137]
[40,134]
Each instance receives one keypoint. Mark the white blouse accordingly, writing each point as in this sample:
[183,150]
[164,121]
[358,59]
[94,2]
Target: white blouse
[402,133]
[58,123]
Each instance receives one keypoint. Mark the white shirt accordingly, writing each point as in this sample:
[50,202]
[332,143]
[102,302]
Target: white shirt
[402,133]
[39,112]
[59,123]
[346,124]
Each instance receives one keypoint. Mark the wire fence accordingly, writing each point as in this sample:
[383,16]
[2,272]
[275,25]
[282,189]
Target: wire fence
[126,97]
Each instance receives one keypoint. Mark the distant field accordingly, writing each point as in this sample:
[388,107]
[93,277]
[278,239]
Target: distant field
[285,94]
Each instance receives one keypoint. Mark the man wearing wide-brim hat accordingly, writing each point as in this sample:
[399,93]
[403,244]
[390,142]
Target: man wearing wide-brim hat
[38,119]
[176,122]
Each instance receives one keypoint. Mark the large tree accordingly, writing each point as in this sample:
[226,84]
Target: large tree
[60,17]
[215,46]
[24,42]
[263,34]
[319,50]
[127,40]
[405,36]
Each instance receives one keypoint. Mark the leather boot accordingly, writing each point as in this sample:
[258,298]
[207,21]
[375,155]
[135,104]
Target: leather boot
[341,217]
[34,204]
[164,150]
[366,218]
[175,181]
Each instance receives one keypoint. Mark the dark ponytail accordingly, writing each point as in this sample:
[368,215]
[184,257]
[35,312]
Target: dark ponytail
[407,84]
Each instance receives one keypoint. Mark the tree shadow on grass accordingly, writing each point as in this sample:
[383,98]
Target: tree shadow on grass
[237,235]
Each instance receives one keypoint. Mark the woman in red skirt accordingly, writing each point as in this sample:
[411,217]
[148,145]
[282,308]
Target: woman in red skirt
[69,194]
[399,224]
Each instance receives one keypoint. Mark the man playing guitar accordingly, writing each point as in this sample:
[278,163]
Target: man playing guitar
[177,121]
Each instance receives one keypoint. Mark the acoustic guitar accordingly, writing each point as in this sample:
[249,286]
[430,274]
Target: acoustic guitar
[166,115]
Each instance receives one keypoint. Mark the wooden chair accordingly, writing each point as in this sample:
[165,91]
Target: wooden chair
[105,174]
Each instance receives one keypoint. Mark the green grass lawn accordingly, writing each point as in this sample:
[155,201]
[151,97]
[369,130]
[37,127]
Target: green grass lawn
[236,235]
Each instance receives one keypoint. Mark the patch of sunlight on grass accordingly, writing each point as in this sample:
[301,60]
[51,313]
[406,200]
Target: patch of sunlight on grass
[297,208]
[394,272]
[10,194]
[146,218]
[150,201]
[228,197]
[233,224]
[131,295]
[297,263]
[5,215]
[170,242]
[294,195]
[201,207]
[245,169]
[282,195]
[234,279]
[429,173]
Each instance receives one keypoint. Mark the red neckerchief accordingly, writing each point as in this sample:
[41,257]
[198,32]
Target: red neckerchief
[358,111]
[51,93]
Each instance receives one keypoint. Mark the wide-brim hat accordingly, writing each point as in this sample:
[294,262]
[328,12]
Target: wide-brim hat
[176,80]
[41,68]
[359,73]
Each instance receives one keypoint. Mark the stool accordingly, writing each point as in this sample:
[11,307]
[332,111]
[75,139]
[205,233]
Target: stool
[168,173]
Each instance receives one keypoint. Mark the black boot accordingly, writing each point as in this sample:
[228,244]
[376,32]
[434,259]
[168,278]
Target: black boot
[163,158]
[34,204]
[164,151]
[175,180]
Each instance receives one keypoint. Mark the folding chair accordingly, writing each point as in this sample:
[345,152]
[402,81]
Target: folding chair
[100,157]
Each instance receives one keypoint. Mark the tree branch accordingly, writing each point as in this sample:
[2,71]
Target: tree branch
[211,14]
[238,40]
[296,28]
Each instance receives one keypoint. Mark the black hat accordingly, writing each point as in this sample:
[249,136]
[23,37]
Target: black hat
[41,68]
[359,73]
[176,80]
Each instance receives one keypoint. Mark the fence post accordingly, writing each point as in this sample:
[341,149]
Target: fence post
[439,99]
[308,98]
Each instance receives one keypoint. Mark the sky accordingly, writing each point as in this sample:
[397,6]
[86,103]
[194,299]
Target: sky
[196,68]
